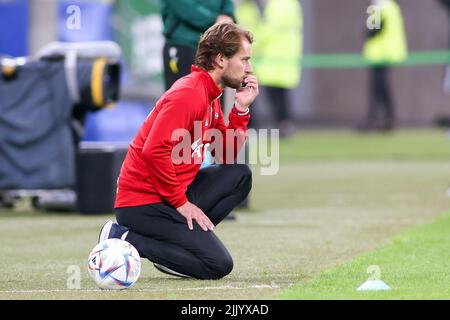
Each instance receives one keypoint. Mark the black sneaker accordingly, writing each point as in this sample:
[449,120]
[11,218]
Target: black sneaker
[112,230]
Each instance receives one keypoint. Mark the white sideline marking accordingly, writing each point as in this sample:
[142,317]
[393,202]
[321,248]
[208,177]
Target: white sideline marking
[228,287]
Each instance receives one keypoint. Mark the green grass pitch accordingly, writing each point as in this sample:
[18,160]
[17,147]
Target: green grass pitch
[339,203]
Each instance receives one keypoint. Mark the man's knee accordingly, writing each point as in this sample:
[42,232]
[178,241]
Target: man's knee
[243,175]
[219,268]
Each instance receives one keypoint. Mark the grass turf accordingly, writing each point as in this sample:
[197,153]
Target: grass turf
[328,203]
[415,264]
[427,144]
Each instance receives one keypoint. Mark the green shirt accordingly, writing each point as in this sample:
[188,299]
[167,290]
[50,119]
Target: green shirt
[185,20]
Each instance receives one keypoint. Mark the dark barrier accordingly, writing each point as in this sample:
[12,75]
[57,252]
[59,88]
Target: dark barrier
[98,166]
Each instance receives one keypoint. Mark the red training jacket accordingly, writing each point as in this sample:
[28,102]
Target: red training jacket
[151,171]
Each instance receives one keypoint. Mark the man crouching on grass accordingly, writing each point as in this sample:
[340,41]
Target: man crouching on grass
[168,208]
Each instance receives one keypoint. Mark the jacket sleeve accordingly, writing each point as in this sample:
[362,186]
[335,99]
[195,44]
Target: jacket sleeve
[230,144]
[193,13]
[178,112]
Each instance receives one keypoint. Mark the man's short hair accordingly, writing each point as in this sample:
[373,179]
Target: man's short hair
[224,38]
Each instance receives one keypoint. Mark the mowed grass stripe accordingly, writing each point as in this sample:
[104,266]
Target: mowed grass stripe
[415,264]
[407,144]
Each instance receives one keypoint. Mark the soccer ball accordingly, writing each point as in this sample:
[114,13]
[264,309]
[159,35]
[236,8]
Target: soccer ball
[114,264]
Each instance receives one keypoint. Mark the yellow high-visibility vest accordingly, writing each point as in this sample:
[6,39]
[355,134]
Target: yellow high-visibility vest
[389,46]
[277,50]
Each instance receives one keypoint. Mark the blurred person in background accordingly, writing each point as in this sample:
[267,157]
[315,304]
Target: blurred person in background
[444,121]
[277,26]
[446,4]
[167,208]
[384,47]
[184,22]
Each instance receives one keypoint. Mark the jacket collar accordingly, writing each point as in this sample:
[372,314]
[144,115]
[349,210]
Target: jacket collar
[213,90]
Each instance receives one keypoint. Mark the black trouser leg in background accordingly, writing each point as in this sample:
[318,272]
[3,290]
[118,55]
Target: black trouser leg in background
[278,102]
[182,58]
[380,97]
[385,95]
[160,233]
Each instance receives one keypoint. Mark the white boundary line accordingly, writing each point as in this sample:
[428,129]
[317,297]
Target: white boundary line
[228,287]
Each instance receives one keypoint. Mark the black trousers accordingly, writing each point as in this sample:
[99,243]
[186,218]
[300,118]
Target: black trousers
[160,233]
[381,106]
[278,99]
[177,62]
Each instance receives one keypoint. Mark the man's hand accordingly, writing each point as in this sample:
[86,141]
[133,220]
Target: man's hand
[224,19]
[246,95]
[191,212]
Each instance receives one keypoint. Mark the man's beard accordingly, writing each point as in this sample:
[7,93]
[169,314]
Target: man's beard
[231,82]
